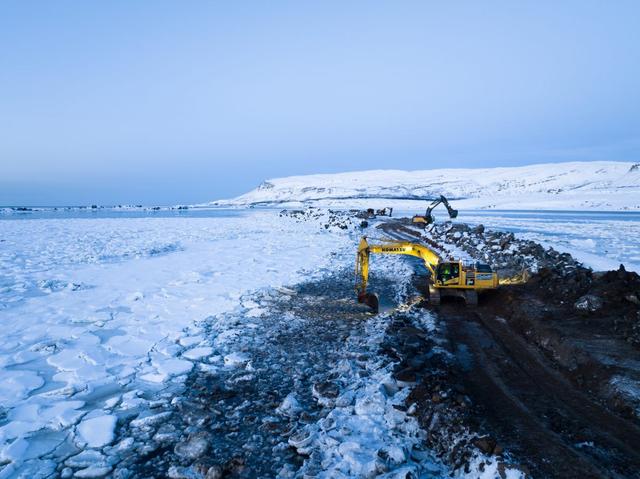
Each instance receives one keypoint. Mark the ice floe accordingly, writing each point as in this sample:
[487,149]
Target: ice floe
[100,314]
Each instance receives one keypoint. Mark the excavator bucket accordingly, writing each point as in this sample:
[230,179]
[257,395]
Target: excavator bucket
[370,299]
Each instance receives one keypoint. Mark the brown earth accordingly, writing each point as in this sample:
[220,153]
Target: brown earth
[536,367]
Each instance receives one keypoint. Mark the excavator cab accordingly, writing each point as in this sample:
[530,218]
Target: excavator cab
[448,273]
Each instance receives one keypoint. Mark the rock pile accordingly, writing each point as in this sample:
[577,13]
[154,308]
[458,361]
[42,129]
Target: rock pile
[510,256]
[328,219]
[557,276]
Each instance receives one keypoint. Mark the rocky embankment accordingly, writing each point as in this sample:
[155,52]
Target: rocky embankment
[546,366]
[555,350]
[610,297]
[585,322]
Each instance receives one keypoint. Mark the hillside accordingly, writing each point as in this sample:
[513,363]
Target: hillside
[600,185]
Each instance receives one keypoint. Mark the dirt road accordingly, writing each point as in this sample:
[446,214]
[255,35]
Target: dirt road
[548,423]
[539,370]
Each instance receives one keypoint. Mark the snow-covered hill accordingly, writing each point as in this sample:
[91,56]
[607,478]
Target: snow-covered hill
[602,185]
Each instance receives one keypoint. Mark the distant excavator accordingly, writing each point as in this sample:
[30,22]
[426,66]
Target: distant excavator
[455,278]
[371,213]
[427,218]
[386,211]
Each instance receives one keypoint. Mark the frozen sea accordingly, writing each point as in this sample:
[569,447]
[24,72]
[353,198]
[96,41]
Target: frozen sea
[99,307]
[600,240]
[96,307]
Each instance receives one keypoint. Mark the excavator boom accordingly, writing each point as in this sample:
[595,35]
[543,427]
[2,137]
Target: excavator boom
[454,278]
[430,258]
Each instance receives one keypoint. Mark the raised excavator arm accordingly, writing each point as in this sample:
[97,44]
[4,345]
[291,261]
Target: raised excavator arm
[427,219]
[452,213]
[449,278]
[430,258]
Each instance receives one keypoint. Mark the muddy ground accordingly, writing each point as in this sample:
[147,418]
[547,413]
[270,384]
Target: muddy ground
[549,366]
[539,380]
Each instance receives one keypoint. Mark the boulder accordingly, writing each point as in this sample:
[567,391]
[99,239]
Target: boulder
[478,229]
[486,444]
[588,303]
[632,298]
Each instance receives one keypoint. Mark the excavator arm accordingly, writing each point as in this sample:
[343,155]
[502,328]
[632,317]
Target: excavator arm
[427,219]
[452,278]
[433,205]
[362,269]
[430,258]
[452,213]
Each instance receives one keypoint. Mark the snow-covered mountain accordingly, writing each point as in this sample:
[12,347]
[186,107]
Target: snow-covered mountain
[602,185]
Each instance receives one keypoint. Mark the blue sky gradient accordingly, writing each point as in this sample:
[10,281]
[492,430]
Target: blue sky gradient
[178,102]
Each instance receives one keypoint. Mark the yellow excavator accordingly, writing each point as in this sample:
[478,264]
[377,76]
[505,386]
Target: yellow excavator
[427,218]
[455,278]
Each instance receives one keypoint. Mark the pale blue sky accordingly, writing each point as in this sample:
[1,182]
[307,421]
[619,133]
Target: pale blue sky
[180,102]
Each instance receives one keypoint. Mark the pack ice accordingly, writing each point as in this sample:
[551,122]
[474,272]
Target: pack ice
[100,315]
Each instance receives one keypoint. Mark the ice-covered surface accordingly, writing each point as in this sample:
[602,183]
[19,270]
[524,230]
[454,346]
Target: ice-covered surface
[331,398]
[103,320]
[600,241]
[297,387]
[96,313]
[601,185]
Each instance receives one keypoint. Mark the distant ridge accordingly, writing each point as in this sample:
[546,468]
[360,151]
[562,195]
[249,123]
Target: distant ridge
[601,185]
